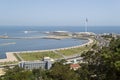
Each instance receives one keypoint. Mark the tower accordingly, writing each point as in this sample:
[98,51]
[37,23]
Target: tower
[86,24]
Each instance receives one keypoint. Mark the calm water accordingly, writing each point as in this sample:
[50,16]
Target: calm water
[42,44]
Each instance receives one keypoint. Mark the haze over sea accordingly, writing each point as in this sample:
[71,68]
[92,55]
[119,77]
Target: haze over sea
[43,44]
[95,29]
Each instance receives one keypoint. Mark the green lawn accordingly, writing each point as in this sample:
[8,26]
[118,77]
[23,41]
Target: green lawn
[39,55]
[73,51]
[78,50]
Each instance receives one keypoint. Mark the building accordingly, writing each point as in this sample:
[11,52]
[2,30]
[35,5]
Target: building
[44,64]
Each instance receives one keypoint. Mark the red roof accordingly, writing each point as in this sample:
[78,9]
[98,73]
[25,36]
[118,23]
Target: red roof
[74,65]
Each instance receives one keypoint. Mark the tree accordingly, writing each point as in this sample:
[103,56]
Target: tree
[60,71]
[17,73]
[104,63]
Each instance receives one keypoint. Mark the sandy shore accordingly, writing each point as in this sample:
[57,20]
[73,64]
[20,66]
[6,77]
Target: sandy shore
[11,57]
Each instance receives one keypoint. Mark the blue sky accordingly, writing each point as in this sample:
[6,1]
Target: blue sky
[59,12]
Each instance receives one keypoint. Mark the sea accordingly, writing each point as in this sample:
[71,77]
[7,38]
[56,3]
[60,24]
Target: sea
[12,45]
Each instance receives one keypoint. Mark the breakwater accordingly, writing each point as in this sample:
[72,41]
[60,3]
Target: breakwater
[39,37]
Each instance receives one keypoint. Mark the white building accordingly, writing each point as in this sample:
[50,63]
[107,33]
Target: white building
[45,64]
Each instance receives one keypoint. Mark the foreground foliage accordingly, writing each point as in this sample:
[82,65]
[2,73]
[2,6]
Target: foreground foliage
[104,64]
